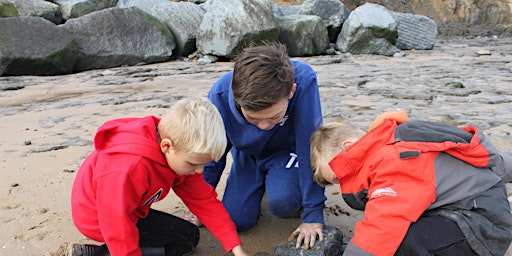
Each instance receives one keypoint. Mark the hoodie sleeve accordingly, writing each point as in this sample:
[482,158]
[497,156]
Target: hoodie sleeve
[308,116]
[118,197]
[201,200]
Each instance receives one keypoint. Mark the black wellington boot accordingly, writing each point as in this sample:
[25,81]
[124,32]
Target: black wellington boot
[87,250]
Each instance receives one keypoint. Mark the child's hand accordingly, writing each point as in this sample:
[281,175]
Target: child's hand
[307,233]
[239,251]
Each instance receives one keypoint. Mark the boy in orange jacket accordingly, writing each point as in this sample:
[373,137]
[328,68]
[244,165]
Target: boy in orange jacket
[425,188]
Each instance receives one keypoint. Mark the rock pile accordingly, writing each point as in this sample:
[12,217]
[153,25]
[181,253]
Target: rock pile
[133,32]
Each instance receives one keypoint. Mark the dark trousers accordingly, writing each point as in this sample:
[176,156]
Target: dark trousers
[434,235]
[160,229]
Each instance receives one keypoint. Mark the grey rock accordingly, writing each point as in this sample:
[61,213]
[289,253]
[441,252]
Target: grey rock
[183,19]
[304,35]
[332,12]
[7,9]
[145,5]
[369,29]
[330,246]
[416,32]
[285,10]
[119,36]
[231,25]
[39,8]
[77,8]
[28,47]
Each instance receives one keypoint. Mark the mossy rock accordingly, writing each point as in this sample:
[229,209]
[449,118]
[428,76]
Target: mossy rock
[8,10]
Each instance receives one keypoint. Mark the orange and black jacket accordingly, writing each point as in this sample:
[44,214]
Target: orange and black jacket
[398,172]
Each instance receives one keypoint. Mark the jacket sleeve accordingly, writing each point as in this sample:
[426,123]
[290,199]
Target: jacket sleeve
[398,195]
[118,197]
[503,166]
[201,200]
[308,116]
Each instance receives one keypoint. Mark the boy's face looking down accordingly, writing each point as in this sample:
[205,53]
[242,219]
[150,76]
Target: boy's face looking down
[327,173]
[183,163]
[267,118]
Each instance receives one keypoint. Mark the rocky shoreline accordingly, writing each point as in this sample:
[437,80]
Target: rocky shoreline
[48,122]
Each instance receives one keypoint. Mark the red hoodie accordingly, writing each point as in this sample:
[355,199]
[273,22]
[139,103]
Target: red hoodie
[124,175]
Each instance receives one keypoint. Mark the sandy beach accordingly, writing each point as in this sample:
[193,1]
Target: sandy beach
[47,126]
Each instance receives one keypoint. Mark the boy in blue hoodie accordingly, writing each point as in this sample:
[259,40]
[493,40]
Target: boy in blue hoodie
[270,106]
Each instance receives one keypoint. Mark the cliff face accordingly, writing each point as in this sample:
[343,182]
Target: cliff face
[453,17]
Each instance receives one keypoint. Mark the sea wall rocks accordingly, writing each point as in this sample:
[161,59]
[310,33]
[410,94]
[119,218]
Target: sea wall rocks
[163,30]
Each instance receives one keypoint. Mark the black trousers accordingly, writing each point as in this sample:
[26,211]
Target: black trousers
[434,235]
[160,229]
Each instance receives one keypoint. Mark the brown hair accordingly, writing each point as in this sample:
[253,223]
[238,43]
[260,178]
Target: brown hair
[262,76]
[326,142]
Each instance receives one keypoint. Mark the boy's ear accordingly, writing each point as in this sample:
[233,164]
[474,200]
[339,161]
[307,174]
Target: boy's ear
[346,144]
[294,88]
[166,145]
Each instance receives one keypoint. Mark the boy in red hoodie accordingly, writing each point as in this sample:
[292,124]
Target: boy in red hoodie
[425,188]
[135,163]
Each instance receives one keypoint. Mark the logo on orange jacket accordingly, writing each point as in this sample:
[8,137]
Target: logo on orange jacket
[387,191]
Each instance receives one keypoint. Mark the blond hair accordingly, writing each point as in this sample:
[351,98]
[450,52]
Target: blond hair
[195,126]
[326,143]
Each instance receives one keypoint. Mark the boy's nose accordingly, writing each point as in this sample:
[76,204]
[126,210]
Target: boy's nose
[265,125]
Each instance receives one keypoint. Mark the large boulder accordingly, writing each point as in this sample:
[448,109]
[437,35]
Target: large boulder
[370,29]
[304,35]
[182,18]
[119,36]
[231,25]
[28,46]
[332,12]
[415,32]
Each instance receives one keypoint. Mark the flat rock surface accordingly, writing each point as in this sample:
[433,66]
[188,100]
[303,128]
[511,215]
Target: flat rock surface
[47,126]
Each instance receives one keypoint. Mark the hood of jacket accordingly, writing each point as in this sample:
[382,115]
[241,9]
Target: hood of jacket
[136,136]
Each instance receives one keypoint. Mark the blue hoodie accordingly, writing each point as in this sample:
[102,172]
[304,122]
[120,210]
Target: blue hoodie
[303,116]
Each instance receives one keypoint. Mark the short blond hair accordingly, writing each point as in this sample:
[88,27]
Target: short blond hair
[195,126]
[326,143]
